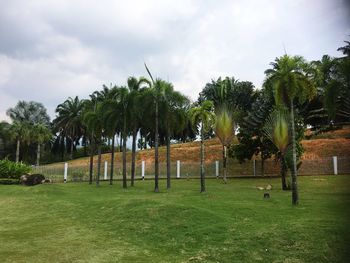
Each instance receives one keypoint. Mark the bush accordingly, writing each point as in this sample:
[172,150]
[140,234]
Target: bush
[32,179]
[8,181]
[13,170]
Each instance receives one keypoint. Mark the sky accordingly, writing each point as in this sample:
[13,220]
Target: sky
[54,49]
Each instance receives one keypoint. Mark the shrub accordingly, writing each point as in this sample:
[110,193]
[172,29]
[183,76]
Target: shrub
[13,170]
[9,181]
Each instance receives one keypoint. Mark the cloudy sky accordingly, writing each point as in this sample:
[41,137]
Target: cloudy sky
[53,49]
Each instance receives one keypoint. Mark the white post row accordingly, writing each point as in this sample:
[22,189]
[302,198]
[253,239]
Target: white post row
[105,171]
[217,168]
[65,172]
[177,169]
[143,170]
[335,165]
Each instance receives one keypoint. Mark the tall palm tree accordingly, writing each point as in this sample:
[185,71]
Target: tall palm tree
[19,131]
[41,134]
[158,86]
[203,117]
[290,82]
[224,129]
[69,119]
[135,85]
[173,107]
[94,124]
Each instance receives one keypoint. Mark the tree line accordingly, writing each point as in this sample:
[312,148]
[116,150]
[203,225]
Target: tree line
[269,121]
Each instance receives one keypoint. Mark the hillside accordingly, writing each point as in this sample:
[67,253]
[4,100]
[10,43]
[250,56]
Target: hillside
[334,143]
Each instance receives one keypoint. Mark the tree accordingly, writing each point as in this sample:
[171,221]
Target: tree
[69,120]
[19,131]
[172,105]
[290,82]
[30,112]
[135,85]
[277,130]
[41,134]
[94,124]
[224,130]
[202,117]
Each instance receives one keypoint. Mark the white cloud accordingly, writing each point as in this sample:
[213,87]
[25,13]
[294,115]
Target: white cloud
[53,49]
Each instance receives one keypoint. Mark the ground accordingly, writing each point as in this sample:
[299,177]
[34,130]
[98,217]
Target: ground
[77,222]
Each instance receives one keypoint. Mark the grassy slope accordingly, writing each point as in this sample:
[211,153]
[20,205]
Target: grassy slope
[230,223]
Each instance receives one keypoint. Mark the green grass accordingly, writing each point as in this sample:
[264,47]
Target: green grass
[76,222]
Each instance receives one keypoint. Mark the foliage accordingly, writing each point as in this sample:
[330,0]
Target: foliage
[13,170]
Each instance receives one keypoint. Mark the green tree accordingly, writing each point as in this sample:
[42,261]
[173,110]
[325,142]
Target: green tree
[202,117]
[20,131]
[290,82]
[41,134]
[69,120]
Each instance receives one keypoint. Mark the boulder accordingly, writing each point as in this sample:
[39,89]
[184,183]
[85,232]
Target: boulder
[32,179]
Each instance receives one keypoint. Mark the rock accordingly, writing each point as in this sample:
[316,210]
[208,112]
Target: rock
[268,187]
[260,188]
[32,179]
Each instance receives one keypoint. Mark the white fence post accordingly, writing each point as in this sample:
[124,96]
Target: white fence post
[254,167]
[177,169]
[106,167]
[143,170]
[65,172]
[217,168]
[335,165]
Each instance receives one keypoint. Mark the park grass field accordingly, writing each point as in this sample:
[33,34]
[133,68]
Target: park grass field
[77,222]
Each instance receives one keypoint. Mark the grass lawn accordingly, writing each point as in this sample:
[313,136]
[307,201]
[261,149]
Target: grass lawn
[77,222]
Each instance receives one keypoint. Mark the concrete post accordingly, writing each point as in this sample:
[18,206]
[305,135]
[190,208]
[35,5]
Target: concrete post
[335,165]
[106,168]
[177,169]
[143,170]
[217,168]
[65,172]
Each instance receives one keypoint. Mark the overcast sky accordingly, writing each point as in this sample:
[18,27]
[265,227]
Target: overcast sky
[53,49]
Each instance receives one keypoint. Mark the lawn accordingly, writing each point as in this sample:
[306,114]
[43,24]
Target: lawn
[77,222]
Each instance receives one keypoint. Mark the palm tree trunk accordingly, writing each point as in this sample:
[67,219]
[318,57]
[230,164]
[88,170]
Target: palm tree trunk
[224,164]
[156,161]
[71,149]
[38,155]
[133,156]
[92,145]
[17,151]
[168,171]
[283,173]
[120,143]
[124,154]
[98,165]
[295,197]
[112,161]
[202,161]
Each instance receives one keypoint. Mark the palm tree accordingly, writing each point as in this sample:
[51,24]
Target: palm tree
[41,134]
[277,131]
[158,86]
[135,85]
[93,121]
[69,119]
[203,117]
[290,82]
[173,105]
[224,129]
[19,131]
